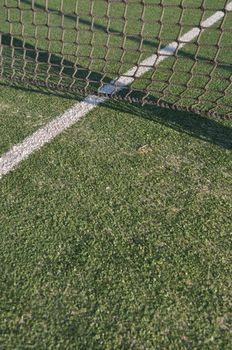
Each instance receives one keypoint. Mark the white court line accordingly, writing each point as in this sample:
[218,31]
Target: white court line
[37,140]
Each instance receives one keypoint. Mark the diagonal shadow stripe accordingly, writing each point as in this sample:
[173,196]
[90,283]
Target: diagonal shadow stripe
[17,52]
[136,39]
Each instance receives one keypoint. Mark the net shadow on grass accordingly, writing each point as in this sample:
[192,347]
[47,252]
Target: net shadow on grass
[22,63]
[151,44]
[209,130]
[98,26]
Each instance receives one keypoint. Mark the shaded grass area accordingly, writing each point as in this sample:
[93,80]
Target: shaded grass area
[24,110]
[91,45]
[118,235]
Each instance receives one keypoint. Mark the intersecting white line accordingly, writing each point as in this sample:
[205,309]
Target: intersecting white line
[47,133]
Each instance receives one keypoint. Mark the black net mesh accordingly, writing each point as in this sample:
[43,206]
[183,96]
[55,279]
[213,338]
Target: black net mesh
[172,53]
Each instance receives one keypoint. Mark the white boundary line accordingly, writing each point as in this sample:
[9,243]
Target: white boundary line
[37,140]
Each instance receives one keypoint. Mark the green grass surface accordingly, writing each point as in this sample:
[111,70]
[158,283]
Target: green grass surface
[23,112]
[118,234]
[106,45]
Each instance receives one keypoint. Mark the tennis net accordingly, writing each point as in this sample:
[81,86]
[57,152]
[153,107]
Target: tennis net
[171,53]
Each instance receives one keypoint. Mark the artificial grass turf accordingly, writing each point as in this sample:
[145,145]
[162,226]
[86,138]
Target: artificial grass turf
[118,236]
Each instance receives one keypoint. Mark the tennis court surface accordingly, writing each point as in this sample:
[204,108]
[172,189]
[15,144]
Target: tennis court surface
[115,174]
